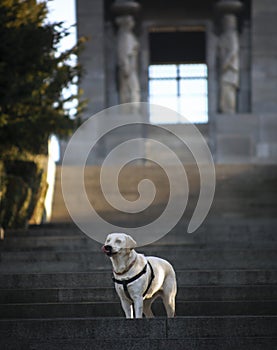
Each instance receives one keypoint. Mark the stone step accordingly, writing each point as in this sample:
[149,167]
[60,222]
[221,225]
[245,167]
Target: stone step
[220,225]
[110,329]
[86,245]
[51,267]
[136,343]
[106,294]
[180,258]
[103,278]
[237,238]
[46,229]
[49,243]
[242,190]
[113,309]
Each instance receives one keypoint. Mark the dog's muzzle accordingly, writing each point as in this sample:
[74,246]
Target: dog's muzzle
[107,249]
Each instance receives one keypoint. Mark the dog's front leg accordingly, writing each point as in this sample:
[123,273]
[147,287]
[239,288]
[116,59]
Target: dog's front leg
[128,309]
[138,306]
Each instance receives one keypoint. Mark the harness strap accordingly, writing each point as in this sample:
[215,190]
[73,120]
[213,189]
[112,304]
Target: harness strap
[130,280]
[151,279]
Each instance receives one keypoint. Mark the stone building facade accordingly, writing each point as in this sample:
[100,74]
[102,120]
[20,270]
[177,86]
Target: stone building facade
[244,133]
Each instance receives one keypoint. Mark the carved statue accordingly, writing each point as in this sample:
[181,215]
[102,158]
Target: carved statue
[229,65]
[127,53]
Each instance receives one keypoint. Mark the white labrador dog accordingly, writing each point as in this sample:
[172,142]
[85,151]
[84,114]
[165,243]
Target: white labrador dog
[139,280]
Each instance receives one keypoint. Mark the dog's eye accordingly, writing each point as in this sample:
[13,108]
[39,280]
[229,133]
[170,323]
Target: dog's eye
[118,241]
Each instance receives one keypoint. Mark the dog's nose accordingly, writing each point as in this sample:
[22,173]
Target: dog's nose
[106,248]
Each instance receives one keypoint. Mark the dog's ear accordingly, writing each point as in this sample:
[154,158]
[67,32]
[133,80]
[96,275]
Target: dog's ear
[130,242]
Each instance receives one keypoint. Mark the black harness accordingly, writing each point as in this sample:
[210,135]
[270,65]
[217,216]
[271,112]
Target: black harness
[130,280]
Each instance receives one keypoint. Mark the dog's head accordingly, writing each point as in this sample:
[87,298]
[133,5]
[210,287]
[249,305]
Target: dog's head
[117,243]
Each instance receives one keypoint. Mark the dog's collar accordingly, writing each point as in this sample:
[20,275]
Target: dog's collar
[127,269]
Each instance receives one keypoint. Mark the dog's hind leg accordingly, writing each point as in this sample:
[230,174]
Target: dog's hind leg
[169,294]
[169,304]
[147,304]
[147,308]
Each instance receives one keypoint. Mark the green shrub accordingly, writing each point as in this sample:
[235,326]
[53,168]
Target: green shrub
[24,186]
[38,202]
[31,174]
[3,190]
[16,203]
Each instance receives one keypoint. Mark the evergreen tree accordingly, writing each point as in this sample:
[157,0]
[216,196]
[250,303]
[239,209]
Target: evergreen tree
[33,76]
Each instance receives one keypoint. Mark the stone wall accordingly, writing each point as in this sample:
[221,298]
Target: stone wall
[249,136]
[252,137]
[246,138]
[90,15]
[264,56]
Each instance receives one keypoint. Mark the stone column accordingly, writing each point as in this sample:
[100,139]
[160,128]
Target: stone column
[127,51]
[90,23]
[228,56]
[264,56]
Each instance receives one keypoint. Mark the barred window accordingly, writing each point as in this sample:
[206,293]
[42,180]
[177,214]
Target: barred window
[181,87]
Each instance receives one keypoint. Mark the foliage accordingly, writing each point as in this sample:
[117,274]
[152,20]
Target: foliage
[23,187]
[32,77]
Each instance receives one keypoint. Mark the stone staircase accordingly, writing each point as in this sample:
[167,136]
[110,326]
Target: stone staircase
[56,290]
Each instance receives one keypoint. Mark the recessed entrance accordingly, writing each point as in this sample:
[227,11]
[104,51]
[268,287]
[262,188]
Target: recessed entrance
[177,74]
